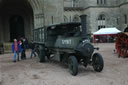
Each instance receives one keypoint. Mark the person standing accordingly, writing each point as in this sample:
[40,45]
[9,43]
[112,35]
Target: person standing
[32,46]
[20,43]
[23,54]
[26,43]
[15,49]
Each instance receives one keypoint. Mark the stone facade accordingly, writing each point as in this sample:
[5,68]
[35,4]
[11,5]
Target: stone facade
[19,17]
[113,11]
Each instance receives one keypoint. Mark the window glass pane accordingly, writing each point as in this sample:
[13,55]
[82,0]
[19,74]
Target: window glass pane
[101,21]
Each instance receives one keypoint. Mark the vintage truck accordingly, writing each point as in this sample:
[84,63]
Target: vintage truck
[67,43]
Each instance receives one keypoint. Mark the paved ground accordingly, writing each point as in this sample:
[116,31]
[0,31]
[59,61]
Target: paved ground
[31,72]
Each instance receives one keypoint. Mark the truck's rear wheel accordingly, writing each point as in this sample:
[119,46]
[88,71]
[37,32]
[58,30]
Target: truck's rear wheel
[41,54]
[98,62]
[73,65]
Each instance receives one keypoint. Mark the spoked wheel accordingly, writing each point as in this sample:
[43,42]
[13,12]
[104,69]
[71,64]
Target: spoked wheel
[73,65]
[122,44]
[97,62]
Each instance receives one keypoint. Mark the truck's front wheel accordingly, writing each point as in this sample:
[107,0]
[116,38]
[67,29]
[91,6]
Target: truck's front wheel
[73,65]
[98,63]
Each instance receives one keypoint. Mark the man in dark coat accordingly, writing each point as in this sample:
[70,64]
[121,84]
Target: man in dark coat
[23,54]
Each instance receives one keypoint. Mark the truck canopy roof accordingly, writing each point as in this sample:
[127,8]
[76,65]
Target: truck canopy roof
[64,25]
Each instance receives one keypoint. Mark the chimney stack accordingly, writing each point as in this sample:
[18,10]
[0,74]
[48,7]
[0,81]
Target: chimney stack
[84,28]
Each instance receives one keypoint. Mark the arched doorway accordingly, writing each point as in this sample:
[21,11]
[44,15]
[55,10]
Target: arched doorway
[16,19]
[16,27]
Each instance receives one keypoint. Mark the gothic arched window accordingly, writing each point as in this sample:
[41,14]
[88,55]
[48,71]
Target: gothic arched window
[101,21]
[65,19]
[75,3]
[76,18]
[101,2]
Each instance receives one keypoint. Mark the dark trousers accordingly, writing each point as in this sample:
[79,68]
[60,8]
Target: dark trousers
[23,55]
[32,53]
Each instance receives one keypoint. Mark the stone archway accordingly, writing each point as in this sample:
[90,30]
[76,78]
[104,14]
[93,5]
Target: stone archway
[13,14]
[22,10]
[126,29]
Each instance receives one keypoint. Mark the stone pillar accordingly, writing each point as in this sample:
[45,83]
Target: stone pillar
[1,30]
[0,72]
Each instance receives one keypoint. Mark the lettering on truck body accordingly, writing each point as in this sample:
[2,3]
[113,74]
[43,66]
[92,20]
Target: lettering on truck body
[66,42]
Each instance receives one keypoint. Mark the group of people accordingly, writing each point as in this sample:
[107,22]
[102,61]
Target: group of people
[19,48]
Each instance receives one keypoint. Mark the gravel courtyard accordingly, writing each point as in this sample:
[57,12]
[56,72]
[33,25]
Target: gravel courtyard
[31,72]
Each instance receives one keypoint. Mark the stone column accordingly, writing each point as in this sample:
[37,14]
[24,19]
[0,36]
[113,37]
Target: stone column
[1,30]
[0,73]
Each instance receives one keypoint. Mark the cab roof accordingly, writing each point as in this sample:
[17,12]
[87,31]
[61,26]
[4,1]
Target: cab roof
[69,24]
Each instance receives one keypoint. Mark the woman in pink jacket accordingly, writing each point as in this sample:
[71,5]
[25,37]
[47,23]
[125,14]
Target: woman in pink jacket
[16,48]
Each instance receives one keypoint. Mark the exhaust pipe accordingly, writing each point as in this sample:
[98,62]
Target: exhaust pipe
[85,48]
[84,28]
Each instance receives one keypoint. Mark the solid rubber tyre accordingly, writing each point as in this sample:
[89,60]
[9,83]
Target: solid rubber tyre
[73,65]
[41,54]
[98,62]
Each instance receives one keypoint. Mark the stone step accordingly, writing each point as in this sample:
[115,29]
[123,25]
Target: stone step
[7,47]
